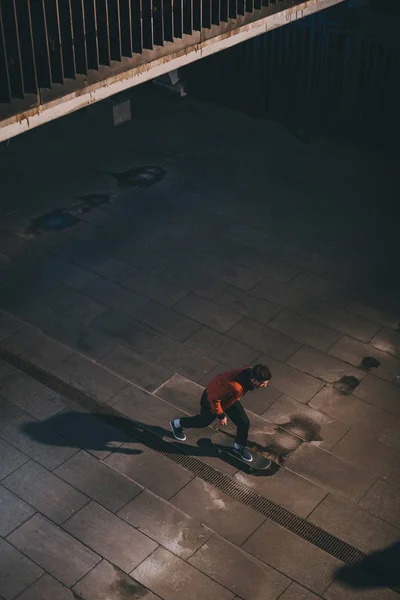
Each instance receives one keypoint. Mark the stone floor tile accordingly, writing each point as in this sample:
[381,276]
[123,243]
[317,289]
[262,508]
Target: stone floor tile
[47,493]
[17,572]
[181,393]
[113,295]
[10,459]
[387,340]
[330,472]
[312,284]
[175,356]
[321,365]
[304,330]
[286,489]
[383,501]
[89,377]
[305,422]
[366,532]
[260,400]
[371,455]
[167,525]
[8,325]
[55,550]
[109,536]
[264,339]
[340,591]
[379,393]
[154,287]
[37,347]
[238,571]
[166,320]
[66,272]
[8,412]
[70,302]
[129,365]
[218,511]
[170,578]
[285,296]
[293,556]
[351,410]
[221,347]
[291,381]
[379,312]
[149,469]
[31,396]
[347,322]
[298,592]
[354,352]
[208,313]
[98,481]
[14,511]
[38,441]
[107,582]
[246,304]
[47,588]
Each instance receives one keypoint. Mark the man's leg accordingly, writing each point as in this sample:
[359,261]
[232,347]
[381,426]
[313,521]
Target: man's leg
[203,419]
[238,416]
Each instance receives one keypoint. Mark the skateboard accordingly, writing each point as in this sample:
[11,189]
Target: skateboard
[223,444]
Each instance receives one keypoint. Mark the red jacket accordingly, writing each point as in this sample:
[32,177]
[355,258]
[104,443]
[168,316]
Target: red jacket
[223,391]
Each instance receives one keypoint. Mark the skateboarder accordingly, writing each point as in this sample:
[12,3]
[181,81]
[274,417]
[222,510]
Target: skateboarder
[221,400]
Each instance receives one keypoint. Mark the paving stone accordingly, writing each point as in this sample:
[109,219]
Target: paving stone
[154,287]
[110,536]
[207,313]
[17,572]
[98,481]
[293,556]
[347,322]
[106,582]
[106,266]
[371,455]
[329,472]
[38,441]
[37,347]
[55,550]
[305,422]
[383,501]
[149,469]
[47,588]
[340,591]
[131,366]
[89,377]
[182,393]
[165,524]
[321,365]
[312,284]
[222,348]
[31,396]
[246,304]
[351,410]
[264,339]
[304,330]
[297,592]
[113,295]
[286,489]
[10,459]
[284,296]
[47,493]
[377,311]
[291,381]
[354,352]
[387,340]
[379,393]
[14,511]
[175,356]
[367,532]
[66,272]
[171,578]
[238,571]
[218,511]
[8,326]
[166,321]
[194,279]
[231,272]
[72,303]
[8,412]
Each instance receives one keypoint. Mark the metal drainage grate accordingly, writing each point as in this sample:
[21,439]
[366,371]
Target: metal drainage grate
[283,517]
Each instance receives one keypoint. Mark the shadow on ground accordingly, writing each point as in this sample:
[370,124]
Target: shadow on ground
[379,569]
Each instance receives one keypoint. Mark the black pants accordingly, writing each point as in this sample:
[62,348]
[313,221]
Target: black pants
[236,413]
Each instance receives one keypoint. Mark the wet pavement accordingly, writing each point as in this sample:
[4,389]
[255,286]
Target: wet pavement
[135,264]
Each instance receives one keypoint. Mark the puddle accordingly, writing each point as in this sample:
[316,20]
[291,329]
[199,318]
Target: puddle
[142,177]
[346,385]
[369,362]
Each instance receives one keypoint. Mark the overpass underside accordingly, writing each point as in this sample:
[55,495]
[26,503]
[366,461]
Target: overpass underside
[57,56]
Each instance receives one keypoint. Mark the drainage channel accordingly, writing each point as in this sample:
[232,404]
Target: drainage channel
[283,517]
